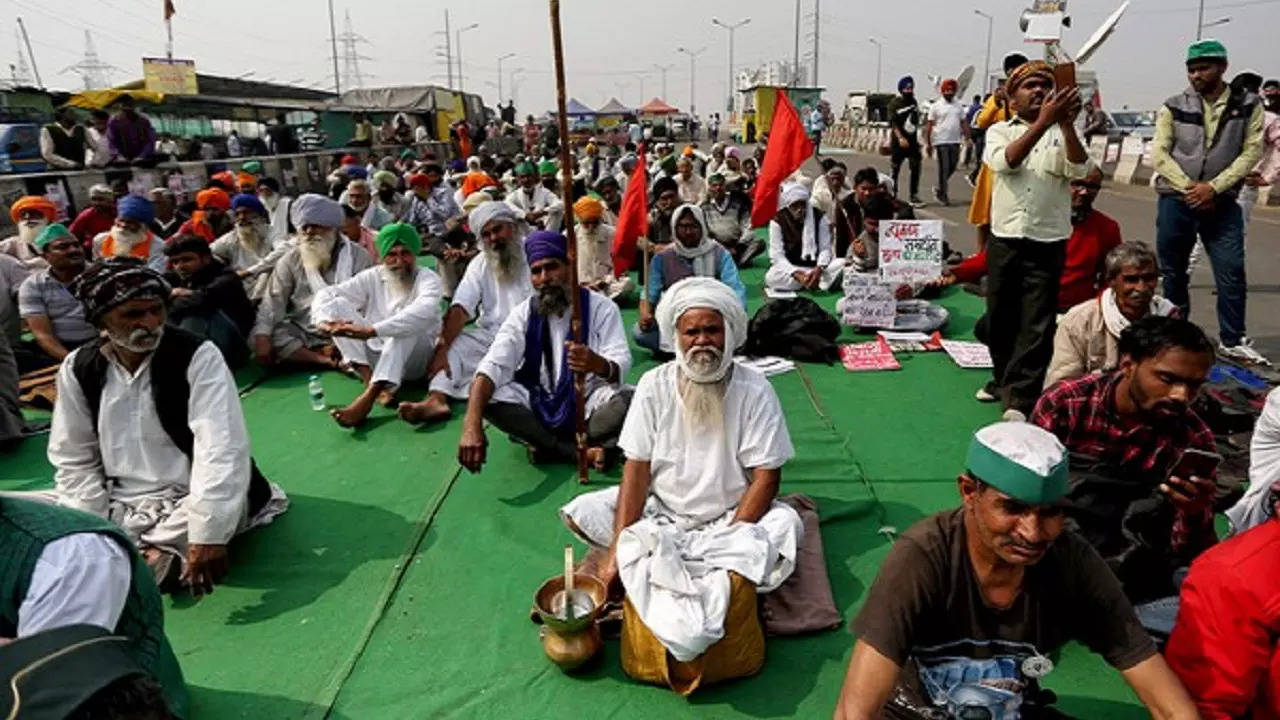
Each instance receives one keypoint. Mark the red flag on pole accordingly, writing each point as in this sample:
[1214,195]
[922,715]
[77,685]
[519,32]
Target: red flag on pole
[787,150]
[633,219]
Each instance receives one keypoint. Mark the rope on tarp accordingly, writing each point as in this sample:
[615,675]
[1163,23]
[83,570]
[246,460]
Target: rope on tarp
[882,513]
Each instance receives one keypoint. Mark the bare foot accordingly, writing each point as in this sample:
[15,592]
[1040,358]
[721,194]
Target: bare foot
[433,409]
[354,414]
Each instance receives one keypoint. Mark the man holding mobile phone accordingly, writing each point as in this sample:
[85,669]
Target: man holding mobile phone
[1142,492]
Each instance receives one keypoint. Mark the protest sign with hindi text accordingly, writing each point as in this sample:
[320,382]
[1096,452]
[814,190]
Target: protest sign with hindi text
[910,251]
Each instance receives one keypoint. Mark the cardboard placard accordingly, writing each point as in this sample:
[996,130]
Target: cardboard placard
[874,355]
[869,303]
[910,251]
[968,354]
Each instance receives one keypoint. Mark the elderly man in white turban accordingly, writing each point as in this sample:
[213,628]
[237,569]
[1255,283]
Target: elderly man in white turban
[252,247]
[495,281]
[384,320]
[320,257]
[705,441]
[800,249]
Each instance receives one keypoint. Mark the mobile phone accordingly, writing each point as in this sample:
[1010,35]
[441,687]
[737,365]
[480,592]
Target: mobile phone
[1064,75]
[1200,463]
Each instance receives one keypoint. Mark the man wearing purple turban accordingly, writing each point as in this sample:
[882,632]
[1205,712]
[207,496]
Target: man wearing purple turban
[524,384]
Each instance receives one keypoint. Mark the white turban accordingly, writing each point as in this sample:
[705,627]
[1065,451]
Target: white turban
[313,209]
[101,191]
[709,293]
[792,193]
[485,213]
[701,255]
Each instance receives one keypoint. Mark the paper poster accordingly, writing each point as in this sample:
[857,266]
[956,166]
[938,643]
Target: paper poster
[54,194]
[910,251]
[874,355]
[911,342]
[968,354]
[769,365]
[141,183]
[868,302]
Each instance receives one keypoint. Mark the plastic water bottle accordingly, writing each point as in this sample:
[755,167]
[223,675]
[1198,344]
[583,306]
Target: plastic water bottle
[316,391]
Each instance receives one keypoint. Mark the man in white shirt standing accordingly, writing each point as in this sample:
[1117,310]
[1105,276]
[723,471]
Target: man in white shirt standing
[148,432]
[99,153]
[944,132]
[1034,156]
[384,321]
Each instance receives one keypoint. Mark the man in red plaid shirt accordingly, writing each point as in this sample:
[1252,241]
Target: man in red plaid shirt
[1131,426]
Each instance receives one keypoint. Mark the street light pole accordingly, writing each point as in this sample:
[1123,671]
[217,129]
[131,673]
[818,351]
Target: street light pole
[731,28]
[500,59]
[662,69]
[1215,23]
[1200,21]
[879,56]
[458,50]
[693,76]
[986,76]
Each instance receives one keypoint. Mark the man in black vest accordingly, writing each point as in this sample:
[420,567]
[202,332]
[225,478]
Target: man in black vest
[1207,140]
[63,142]
[148,432]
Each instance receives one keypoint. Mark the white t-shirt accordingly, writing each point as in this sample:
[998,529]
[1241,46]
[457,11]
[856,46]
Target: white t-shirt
[948,120]
[697,474]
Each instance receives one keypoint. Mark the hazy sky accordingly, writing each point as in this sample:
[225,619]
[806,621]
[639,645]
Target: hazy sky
[612,47]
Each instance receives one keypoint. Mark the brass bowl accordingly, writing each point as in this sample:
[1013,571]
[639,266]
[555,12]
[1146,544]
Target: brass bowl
[545,602]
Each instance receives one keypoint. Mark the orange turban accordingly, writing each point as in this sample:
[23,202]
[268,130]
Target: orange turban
[33,202]
[588,208]
[476,181]
[1026,71]
[245,178]
[214,198]
[225,179]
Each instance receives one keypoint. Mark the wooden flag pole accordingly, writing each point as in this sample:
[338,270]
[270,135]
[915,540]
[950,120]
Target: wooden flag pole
[566,194]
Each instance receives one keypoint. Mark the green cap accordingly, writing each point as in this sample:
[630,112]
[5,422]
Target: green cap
[393,234]
[547,167]
[1206,50]
[525,168]
[1024,461]
[49,234]
[253,167]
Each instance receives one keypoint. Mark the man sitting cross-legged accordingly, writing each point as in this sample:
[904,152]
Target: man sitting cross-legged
[495,281]
[705,441]
[148,432]
[525,384]
[285,329]
[970,603]
[384,321]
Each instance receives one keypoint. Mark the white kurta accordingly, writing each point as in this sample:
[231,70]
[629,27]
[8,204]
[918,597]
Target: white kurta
[236,256]
[488,303]
[606,337]
[1264,468]
[129,471]
[406,325]
[82,578]
[781,273]
[674,561]
[540,199]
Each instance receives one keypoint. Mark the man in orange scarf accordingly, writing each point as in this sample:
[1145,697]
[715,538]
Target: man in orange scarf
[129,236]
[210,221]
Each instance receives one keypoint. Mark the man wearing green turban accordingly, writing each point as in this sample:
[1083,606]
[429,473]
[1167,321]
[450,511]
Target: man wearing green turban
[538,206]
[971,604]
[384,320]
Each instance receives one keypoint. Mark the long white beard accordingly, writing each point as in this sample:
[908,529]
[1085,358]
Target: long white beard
[505,261]
[252,237]
[316,251]
[270,202]
[401,282]
[126,240]
[703,401]
[29,229]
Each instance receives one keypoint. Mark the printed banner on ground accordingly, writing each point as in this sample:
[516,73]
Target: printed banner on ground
[869,303]
[874,355]
[968,354]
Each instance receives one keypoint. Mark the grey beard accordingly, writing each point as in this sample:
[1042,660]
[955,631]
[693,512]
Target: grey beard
[703,401]
[505,261]
[140,340]
[552,301]
[126,241]
[252,237]
[402,281]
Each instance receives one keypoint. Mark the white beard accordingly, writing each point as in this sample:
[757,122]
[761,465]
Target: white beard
[401,282]
[126,241]
[252,237]
[703,401]
[29,229]
[138,341]
[505,262]
[317,251]
[270,202]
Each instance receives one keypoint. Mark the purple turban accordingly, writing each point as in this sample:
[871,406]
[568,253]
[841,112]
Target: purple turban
[250,201]
[546,244]
[136,208]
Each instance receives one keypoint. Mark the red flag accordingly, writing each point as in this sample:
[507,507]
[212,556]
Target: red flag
[787,150]
[168,9]
[633,219]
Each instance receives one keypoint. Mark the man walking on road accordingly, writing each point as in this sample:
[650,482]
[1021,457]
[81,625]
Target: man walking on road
[944,132]
[1207,141]
[904,120]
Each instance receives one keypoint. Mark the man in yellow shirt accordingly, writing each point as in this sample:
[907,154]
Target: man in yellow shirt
[1207,140]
